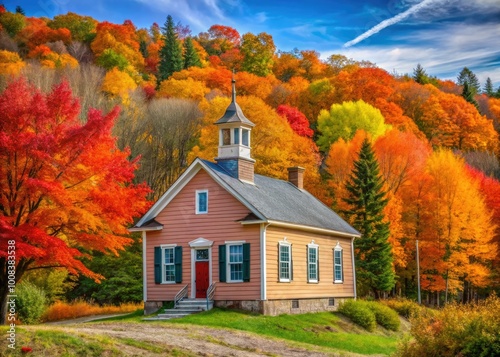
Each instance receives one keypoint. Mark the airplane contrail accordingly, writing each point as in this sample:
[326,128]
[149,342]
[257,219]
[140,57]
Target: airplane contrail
[391,21]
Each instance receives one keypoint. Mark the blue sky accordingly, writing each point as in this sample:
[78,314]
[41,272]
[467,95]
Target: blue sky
[442,35]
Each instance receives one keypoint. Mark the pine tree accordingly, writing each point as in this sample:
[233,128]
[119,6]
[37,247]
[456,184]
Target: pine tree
[468,94]
[170,52]
[488,87]
[467,76]
[366,200]
[19,10]
[419,75]
[191,58]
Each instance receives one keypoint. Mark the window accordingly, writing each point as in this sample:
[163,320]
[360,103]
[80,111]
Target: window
[236,135]
[226,136]
[285,261]
[201,202]
[337,264]
[234,262]
[331,301]
[202,255]
[168,264]
[295,304]
[312,263]
[245,139]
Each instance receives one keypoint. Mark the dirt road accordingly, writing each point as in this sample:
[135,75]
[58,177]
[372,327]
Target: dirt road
[193,340]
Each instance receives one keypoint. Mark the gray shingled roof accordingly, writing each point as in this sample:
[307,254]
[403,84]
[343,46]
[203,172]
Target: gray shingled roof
[279,200]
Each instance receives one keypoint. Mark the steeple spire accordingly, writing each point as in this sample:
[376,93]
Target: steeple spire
[234,141]
[233,81]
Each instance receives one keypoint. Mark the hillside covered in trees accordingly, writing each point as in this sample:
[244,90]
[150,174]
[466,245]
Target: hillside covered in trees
[436,141]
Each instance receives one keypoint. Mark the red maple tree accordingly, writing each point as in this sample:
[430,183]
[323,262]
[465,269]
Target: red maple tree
[65,188]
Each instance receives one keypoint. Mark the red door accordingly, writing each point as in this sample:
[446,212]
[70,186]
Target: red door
[202,279]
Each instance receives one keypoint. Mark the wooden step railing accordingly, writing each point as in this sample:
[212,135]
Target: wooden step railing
[210,294]
[180,295]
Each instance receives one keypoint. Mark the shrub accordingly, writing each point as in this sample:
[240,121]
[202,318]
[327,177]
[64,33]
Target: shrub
[359,313]
[404,307]
[456,330]
[30,303]
[62,310]
[384,315]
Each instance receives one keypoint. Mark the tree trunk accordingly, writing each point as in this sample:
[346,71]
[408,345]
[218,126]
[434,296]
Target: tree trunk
[4,291]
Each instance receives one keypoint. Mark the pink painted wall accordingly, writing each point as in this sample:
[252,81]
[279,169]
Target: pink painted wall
[182,225]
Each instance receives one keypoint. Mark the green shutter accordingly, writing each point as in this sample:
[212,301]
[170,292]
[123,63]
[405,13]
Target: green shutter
[178,264]
[307,264]
[317,263]
[291,263]
[246,262]
[157,265]
[222,263]
[342,263]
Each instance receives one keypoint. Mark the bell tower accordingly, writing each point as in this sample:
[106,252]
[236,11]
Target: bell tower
[234,141]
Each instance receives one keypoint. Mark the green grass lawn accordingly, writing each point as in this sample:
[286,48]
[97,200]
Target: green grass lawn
[328,330]
[322,329]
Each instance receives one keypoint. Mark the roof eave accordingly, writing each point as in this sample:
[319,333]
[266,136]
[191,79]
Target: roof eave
[312,229]
[145,229]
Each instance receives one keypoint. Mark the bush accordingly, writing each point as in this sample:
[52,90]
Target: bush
[384,315]
[62,310]
[456,330]
[404,307]
[30,303]
[359,313]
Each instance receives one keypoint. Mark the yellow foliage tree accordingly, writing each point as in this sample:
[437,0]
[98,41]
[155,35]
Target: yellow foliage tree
[10,63]
[183,88]
[118,83]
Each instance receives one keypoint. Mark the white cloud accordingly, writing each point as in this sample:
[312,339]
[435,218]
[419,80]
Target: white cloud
[394,20]
[442,51]
[198,14]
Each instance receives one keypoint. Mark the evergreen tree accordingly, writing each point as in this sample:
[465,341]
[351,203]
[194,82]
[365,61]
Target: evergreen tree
[366,200]
[468,94]
[19,10]
[170,52]
[191,57]
[419,75]
[467,76]
[143,48]
[488,87]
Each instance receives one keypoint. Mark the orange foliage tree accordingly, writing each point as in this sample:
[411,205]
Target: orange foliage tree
[65,188]
[456,242]
[490,187]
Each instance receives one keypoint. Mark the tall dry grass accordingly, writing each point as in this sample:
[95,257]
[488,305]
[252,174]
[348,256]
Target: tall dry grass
[63,311]
[456,330]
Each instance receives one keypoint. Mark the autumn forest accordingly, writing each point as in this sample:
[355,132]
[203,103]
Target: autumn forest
[99,119]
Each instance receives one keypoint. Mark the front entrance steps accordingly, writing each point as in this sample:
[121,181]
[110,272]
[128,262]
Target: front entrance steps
[184,307]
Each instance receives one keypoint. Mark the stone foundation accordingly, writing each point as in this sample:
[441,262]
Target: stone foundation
[285,306]
[152,306]
[300,306]
[247,305]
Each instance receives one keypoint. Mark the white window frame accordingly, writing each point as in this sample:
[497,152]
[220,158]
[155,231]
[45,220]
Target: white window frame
[337,249]
[197,198]
[314,246]
[285,243]
[164,247]
[228,261]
